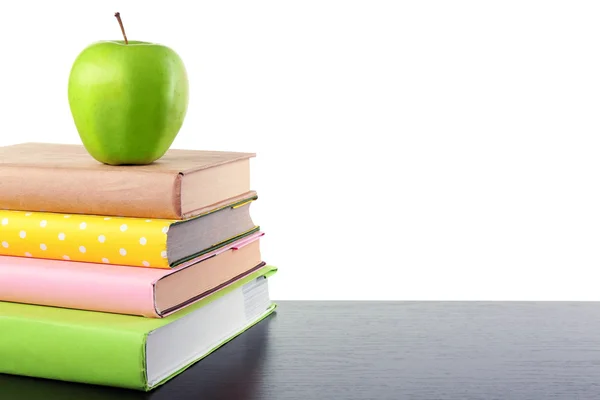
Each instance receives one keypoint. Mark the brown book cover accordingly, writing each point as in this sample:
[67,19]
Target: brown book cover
[64,178]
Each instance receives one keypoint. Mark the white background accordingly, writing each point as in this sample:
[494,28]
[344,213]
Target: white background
[405,149]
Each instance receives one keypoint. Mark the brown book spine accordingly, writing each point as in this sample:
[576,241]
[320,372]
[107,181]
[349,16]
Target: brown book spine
[132,193]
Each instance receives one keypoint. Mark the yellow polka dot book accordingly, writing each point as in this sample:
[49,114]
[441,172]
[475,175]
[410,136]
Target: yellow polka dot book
[125,275]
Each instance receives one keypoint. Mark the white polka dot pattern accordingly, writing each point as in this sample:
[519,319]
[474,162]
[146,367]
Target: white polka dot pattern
[137,242]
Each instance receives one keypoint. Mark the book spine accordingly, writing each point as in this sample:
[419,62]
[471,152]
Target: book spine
[81,353]
[89,238]
[81,286]
[99,192]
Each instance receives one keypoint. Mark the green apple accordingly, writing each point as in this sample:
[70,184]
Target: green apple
[128,100]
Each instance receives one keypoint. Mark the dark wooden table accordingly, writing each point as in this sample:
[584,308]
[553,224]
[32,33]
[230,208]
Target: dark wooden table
[385,350]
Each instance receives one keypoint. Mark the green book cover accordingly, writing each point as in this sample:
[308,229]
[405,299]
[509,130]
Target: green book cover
[127,351]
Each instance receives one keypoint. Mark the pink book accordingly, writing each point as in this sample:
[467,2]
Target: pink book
[147,292]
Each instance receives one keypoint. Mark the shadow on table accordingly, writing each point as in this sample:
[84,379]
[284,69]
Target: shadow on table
[232,372]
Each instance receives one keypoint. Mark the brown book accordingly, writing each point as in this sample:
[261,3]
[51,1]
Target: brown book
[64,178]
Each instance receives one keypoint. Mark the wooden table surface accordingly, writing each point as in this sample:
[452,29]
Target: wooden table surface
[385,350]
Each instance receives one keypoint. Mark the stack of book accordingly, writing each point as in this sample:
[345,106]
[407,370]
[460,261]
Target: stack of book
[124,275]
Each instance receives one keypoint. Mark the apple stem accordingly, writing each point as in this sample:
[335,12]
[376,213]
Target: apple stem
[118,15]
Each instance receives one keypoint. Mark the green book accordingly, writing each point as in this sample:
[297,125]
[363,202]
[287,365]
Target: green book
[127,351]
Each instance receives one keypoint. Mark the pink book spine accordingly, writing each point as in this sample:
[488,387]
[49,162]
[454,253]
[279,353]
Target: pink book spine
[84,286]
